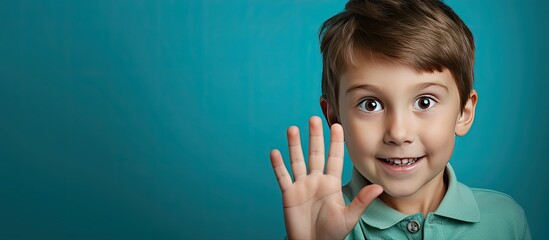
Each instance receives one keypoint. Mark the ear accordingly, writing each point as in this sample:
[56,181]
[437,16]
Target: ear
[467,115]
[328,111]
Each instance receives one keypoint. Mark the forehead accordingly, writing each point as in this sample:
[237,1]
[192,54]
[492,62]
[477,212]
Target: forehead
[394,77]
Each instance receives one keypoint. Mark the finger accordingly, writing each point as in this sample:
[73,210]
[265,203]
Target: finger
[334,166]
[281,173]
[360,203]
[316,145]
[296,153]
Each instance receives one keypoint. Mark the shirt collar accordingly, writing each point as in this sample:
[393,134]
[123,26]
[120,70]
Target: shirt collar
[458,203]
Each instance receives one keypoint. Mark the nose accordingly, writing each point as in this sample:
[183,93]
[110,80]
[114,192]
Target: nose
[398,129]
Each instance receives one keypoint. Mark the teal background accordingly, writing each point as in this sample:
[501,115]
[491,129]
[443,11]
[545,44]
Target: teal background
[154,119]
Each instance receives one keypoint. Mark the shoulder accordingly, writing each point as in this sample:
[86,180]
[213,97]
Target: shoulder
[500,211]
[493,200]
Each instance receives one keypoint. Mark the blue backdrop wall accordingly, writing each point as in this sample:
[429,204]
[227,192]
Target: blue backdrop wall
[154,119]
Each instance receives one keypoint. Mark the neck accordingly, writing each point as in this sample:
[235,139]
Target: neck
[425,200]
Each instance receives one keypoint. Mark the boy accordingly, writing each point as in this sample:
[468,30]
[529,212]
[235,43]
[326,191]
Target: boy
[397,83]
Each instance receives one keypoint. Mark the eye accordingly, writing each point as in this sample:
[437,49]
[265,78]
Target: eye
[424,103]
[370,105]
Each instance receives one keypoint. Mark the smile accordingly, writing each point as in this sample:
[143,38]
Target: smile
[400,161]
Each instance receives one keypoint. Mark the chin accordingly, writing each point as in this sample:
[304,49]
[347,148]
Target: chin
[400,191]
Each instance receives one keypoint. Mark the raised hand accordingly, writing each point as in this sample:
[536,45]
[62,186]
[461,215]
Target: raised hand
[313,203]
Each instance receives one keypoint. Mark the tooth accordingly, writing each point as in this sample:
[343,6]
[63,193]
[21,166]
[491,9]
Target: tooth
[397,161]
[404,161]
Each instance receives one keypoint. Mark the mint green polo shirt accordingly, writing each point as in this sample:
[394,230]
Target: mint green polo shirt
[464,213]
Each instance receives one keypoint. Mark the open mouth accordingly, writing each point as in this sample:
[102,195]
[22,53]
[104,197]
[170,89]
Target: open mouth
[400,161]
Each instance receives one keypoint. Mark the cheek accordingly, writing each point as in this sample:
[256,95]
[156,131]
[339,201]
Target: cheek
[439,136]
[361,137]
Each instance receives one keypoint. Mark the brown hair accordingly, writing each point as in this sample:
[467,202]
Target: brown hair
[426,35]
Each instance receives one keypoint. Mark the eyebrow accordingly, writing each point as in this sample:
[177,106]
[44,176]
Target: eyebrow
[376,89]
[432,84]
[362,86]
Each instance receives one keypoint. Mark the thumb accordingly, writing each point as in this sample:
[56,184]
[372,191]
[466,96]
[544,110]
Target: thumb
[360,203]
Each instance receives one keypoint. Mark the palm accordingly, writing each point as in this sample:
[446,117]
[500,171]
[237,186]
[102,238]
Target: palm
[313,204]
[315,199]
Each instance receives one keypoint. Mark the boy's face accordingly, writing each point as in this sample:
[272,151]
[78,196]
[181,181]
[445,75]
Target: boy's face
[400,125]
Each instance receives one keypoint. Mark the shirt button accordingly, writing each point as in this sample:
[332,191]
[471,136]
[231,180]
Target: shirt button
[413,226]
